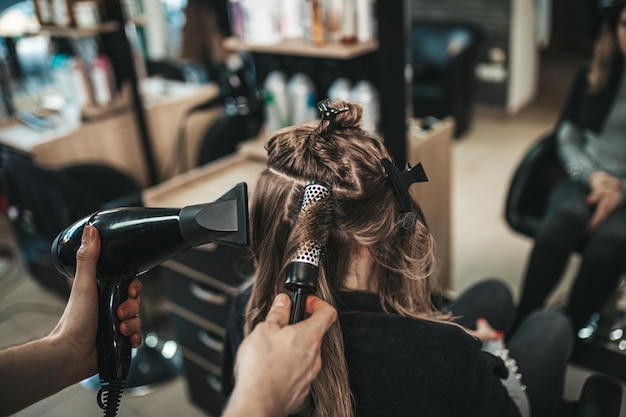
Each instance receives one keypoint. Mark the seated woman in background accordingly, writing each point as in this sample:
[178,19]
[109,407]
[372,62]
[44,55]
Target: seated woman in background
[589,204]
[391,353]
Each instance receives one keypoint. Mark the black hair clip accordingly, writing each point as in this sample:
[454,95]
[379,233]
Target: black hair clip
[328,112]
[402,180]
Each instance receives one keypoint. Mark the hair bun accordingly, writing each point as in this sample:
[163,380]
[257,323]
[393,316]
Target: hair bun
[353,118]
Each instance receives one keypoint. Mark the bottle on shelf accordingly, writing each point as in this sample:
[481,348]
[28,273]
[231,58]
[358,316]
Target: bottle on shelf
[103,80]
[349,29]
[276,110]
[81,80]
[339,89]
[365,93]
[333,11]
[86,13]
[236,18]
[301,99]
[315,22]
[61,14]
[261,25]
[66,84]
[43,10]
[365,20]
[290,19]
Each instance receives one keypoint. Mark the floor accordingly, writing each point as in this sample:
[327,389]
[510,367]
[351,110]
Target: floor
[483,246]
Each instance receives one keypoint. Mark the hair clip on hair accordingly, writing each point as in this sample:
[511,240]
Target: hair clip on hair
[328,112]
[402,180]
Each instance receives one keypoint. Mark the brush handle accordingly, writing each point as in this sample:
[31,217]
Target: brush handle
[301,281]
[298,304]
[114,350]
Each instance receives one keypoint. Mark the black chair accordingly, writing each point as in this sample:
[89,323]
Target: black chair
[528,191]
[525,205]
[45,201]
[443,57]
[168,69]
[223,136]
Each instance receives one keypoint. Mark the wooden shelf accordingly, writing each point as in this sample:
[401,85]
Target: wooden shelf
[302,48]
[74,32]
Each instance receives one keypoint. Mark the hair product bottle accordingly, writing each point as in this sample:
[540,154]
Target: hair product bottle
[317,34]
[275,89]
[103,80]
[364,20]
[366,95]
[333,10]
[339,89]
[349,22]
[301,98]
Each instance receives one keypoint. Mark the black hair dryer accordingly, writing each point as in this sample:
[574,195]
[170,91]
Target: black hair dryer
[134,240]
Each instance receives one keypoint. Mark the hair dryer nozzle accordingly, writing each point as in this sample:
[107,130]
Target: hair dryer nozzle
[227,218]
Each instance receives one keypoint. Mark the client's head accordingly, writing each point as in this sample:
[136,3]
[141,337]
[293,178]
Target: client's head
[367,220]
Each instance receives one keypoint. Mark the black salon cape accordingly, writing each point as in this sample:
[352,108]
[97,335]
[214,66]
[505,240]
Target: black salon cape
[401,366]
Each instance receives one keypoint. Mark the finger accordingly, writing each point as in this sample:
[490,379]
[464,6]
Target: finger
[279,312]
[135,340]
[135,288]
[130,326]
[129,308]
[596,219]
[323,315]
[86,258]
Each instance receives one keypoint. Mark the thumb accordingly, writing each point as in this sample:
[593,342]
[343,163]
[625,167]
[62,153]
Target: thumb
[280,310]
[86,260]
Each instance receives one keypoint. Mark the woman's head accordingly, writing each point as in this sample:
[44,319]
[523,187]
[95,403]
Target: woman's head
[365,213]
[365,210]
[609,48]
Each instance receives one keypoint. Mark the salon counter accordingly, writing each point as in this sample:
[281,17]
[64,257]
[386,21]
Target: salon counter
[113,138]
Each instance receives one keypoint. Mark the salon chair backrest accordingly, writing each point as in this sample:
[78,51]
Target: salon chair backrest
[526,200]
[443,56]
[435,45]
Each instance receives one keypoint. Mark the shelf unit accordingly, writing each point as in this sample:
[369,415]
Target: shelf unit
[302,48]
[391,56]
[113,35]
[79,32]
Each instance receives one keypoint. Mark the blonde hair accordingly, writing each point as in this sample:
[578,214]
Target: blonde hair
[605,52]
[365,211]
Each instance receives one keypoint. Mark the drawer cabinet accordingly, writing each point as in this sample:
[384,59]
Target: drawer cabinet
[205,389]
[201,283]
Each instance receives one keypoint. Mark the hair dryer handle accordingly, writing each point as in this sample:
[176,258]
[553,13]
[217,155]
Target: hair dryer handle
[114,350]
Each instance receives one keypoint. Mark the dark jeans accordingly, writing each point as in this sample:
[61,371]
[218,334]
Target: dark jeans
[562,232]
[541,345]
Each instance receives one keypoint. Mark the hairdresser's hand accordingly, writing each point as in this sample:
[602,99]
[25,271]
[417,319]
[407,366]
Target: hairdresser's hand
[40,368]
[277,363]
[78,326]
[606,201]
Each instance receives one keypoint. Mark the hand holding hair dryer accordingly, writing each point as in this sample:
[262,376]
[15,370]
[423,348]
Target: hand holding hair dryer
[134,240]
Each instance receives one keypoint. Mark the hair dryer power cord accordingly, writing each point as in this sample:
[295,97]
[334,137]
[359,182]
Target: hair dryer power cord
[109,397]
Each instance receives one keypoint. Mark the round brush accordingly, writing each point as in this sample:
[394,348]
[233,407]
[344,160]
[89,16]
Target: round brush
[302,273]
